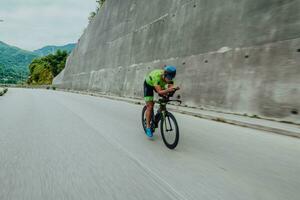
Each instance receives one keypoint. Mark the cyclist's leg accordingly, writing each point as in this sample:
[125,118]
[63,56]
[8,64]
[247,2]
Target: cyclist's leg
[148,96]
[150,105]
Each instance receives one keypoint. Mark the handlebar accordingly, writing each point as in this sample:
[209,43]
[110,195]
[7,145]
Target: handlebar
[166,99]
[177,100]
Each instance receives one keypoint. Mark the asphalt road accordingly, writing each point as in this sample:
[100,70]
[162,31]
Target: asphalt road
[57,145]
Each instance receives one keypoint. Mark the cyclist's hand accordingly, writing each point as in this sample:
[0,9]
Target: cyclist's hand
[171,89]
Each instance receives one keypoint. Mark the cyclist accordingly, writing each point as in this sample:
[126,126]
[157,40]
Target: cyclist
[160,81]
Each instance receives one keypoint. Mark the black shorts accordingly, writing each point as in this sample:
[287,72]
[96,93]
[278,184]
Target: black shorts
[148,92]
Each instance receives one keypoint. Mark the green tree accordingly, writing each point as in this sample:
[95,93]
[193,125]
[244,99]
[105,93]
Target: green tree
[92,15]
[44,69]
[100,3]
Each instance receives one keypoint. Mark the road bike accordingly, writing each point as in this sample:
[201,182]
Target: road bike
[168,125]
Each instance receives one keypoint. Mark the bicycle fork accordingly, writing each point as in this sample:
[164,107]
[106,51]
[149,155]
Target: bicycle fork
[168,128]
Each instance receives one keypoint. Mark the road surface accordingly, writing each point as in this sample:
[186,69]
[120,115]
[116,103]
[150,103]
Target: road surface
[57,145]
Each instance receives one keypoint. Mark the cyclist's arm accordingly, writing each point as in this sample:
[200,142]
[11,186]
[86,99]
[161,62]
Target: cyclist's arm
[160,91]
[172,85]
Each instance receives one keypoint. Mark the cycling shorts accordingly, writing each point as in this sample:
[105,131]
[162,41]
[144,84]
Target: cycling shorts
[148,92]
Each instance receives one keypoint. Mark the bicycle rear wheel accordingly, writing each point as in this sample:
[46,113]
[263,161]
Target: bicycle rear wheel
[169,130]
[144,122]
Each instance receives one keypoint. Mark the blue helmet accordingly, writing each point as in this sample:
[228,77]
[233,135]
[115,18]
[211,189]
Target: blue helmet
[170,72]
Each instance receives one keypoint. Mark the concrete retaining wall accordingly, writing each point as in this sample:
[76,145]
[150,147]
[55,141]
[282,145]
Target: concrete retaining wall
[234,56]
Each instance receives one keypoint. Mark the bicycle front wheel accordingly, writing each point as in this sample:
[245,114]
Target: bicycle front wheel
[169,130]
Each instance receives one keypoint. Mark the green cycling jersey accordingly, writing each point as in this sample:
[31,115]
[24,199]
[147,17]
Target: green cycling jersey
[155,78]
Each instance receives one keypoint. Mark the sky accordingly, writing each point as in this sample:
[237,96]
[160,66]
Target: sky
[33,24]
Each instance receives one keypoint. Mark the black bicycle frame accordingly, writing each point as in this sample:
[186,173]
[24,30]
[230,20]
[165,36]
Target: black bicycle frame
[163,110]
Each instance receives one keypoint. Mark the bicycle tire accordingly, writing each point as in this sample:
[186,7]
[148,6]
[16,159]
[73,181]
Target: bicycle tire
[175,142]
[144,119]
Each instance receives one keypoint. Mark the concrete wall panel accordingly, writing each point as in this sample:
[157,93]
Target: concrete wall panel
[234,56]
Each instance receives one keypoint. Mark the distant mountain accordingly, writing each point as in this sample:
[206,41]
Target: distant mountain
[52,49]
[14,63]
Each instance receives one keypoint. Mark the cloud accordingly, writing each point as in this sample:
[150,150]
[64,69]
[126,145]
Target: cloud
[32,24]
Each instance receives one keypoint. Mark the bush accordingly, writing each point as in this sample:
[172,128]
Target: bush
[3,91]
[44,69]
